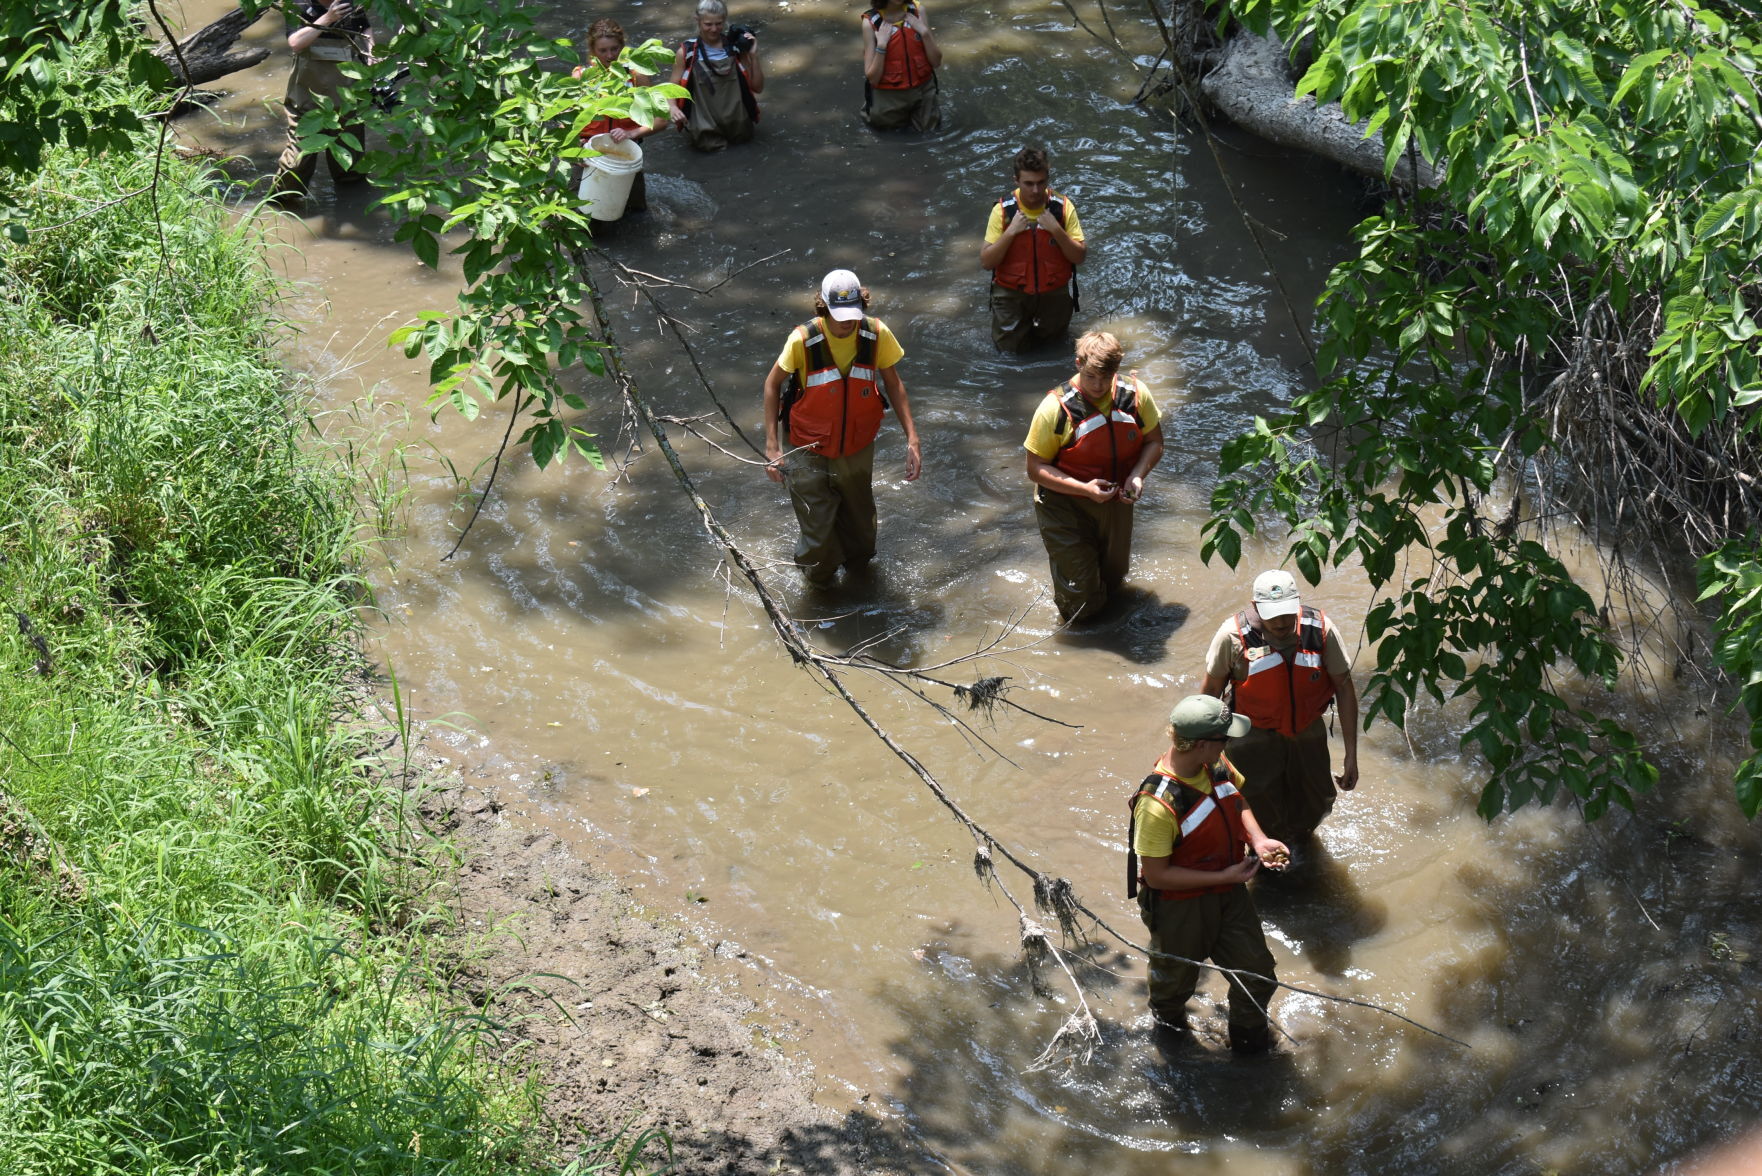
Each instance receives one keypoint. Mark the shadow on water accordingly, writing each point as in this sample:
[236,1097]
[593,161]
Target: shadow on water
[1317,907]
[1137,625]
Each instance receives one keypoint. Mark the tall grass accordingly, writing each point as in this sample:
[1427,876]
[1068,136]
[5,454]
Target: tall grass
[233,985]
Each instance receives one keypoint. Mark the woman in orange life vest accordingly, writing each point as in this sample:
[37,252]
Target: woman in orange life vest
[1187,869]
[1093,440]
[835,367]
[720,67]
[900,59]
[605,40]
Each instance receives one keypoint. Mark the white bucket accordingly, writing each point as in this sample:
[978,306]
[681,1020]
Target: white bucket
[606,177]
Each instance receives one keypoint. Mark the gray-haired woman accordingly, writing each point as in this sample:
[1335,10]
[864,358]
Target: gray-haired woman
[720,69]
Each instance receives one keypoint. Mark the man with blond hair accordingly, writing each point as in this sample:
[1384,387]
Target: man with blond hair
[1093,440]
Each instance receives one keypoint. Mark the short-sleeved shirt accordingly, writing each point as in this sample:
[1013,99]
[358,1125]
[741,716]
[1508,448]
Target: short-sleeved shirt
[995,226]
[1154,831]
[1051,427]
[844,351]
[1223,660]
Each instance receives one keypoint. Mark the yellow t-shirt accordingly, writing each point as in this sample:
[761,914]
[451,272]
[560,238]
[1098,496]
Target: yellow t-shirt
[1073,227]
[844,351]
[1046,438]
[1155,832]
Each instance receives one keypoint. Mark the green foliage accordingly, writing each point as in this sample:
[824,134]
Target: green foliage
[1595,159]
[476,160]
[225,989]
[66,72]
[1734,574]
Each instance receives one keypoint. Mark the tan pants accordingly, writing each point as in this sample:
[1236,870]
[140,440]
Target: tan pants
[312,79]
[834,503]
[1289,783]
[1020,321]
[1088,544]
[918,107]
[1224,928]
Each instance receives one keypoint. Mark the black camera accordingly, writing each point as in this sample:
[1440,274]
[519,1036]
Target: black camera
[741,39]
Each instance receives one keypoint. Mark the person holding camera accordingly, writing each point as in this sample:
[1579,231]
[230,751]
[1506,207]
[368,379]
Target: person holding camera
[329,33]
[721,72]
[900,59]
[829,389]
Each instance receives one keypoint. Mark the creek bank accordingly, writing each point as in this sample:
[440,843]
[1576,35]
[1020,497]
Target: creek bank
[623,1016]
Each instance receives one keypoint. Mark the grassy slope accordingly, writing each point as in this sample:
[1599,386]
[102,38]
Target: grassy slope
[201,888]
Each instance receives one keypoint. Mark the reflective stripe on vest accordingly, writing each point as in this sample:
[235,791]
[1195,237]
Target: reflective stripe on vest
[1101,445]
[1290,701]
[1212,835]
[1033,263]
[837,413]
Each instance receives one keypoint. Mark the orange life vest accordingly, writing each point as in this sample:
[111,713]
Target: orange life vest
[837,413]
[746,91]
[600,126]
[1100,445]
[1212,835]
[1033,263]
[906,62]
[1283,693]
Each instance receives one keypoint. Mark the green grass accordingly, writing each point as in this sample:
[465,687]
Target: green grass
[214,962]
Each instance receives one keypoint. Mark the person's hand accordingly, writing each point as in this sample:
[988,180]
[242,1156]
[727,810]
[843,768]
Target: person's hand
[752,47]
[1100,490]
[1347,779]
[618,134]
[342,10]
[916,21]
[677,118]
[1272,853]
[1051,225]
[914,460]
[1133,489]
[774,462]
[1240,872]
[883,34]
[1018,224]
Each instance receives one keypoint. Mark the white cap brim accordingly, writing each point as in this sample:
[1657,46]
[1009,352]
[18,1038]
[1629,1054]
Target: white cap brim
[845,314]
[1277,608]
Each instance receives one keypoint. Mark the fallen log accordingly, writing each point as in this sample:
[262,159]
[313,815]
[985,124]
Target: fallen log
[1252,87]
[208,54]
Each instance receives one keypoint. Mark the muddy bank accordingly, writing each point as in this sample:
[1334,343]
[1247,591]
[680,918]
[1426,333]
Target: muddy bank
[629,1019]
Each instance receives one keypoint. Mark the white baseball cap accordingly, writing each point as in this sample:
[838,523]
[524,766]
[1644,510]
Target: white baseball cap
[1275,594]
[843,295]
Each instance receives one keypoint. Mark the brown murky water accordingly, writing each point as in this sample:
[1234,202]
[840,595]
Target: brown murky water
[584,646]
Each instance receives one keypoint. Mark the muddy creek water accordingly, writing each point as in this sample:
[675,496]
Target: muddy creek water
[587,653]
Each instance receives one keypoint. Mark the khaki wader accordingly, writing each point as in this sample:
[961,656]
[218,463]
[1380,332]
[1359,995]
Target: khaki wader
[1020,321]
[314,78]
[1289,783]
[1224,928]
[918,107]
[834,502]
[1089,545]
[716,116]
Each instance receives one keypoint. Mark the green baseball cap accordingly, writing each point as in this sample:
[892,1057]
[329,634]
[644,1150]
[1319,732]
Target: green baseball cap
[1200,716]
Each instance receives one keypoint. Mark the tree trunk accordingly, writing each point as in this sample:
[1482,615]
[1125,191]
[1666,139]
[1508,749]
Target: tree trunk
[1251,86]
[207,53]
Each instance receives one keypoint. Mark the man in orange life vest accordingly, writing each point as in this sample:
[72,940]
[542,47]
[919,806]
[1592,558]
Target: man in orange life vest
[900,58]
[1033,246]
[1286,662]
[1092,441]
[826,390]
[1187,868]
